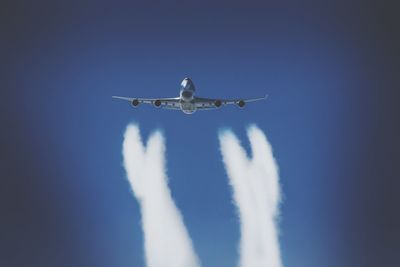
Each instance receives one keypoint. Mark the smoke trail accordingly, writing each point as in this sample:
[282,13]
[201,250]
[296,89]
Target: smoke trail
[167,242]
[256,193]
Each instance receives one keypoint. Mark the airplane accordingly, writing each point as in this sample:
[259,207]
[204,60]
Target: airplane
[187,102]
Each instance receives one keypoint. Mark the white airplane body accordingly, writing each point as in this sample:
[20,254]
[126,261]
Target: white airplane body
[187,102]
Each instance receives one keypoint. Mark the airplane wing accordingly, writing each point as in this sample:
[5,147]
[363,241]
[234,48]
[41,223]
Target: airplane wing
[208,103]
[167,103]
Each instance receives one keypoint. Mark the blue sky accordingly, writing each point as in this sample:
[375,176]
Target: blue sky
[64,132]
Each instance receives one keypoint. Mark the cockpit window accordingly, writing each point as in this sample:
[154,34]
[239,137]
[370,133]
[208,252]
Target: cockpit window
[187,94]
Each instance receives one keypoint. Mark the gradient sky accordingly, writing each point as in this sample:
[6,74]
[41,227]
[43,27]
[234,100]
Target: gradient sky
[331,70]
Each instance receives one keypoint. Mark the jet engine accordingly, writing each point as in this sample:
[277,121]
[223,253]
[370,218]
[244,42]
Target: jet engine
[241,103]
[135,103]
[217,103]
[157,103]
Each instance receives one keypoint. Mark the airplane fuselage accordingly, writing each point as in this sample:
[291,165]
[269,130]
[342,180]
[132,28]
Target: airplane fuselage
[187,95]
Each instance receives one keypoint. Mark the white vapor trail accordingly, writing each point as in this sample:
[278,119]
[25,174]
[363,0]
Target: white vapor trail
[167,242]
[256,193]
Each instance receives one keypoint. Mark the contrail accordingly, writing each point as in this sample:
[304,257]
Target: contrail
[256,193]
[167,242]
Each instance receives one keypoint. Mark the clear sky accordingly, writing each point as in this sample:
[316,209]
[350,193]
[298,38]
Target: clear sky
[327,68]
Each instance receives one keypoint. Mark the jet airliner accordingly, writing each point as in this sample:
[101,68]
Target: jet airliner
[187,102]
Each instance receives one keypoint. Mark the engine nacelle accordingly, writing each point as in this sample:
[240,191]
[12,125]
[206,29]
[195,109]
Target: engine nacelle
[217,103]
[241,103]
[157,103]
[135,103]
